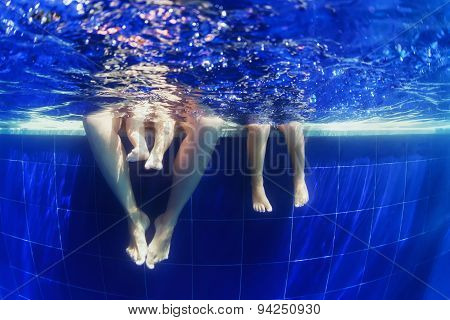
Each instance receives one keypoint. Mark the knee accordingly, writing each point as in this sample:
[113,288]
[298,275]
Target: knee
[205,131]
[100,122]
[295,125]
[258,129]
[208,126]
[258,126]
[292,127]
[90,121]
[213,123]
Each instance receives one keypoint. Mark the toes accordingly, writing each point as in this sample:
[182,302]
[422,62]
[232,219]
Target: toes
[261,207]
[158,166]
[137,155]
[154,259]
[151,164]
[130,253]
[140,261]
[258,207]
[155,166]
[150,262]
[131,157]
[133,253]
[147,165]
[300,202]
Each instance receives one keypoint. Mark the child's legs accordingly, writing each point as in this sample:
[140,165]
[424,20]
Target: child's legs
[293,133]
[295,140]
[256,150]
[136,133]
[164,132]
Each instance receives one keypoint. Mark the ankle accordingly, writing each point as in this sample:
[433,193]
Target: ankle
[155,155]
[142,149]
[298,179]
[165,220]
[134,214]
[257,180]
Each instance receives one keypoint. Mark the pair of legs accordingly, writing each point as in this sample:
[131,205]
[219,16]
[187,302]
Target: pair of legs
[256,148]
[163,137]
[192,158]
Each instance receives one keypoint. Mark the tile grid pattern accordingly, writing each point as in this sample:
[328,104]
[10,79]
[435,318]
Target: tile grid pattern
[390,192]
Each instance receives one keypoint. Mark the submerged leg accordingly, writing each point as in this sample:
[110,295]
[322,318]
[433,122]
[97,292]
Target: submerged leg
[256,151]
[136,133]
[293,133]
[102,132]
[190,163]
[164,131]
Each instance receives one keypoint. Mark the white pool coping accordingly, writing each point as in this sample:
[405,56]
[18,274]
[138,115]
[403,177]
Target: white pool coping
[345,128]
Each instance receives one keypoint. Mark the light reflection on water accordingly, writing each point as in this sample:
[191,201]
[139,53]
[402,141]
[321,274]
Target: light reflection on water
[319,61]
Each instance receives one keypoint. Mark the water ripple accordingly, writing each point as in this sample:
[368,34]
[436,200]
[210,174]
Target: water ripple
[251,60]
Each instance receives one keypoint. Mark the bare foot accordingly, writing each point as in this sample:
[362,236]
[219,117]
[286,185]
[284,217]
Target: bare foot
[154,161]
[301,193]
[159,248]
[139,223]
[259,198]
[137,154]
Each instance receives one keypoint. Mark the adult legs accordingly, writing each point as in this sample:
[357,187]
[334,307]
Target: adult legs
[190,163]
[102,132]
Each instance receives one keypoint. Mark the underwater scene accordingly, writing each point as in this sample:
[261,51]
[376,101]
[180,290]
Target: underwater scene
[224,149]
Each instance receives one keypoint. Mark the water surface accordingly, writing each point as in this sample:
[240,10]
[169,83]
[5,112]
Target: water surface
[250,60]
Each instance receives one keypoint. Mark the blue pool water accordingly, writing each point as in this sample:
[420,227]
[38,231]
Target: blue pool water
[377,225]
[265,60]
[371,80]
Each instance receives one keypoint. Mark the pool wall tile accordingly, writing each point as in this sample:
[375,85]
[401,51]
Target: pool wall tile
[374,201]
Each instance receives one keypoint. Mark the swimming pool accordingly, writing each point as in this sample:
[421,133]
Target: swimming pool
[260,60]
[377,225]
[370,81]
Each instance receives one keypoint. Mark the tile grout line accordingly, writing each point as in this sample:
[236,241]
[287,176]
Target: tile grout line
[335,217]
[57,217]
[101,262]
[27,224]
[401,224]
[242,245]
[371,220]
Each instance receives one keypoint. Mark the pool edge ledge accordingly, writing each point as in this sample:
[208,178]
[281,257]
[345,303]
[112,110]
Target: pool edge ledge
[349,128]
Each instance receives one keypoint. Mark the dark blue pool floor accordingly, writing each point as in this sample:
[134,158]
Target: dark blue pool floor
[377,224]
